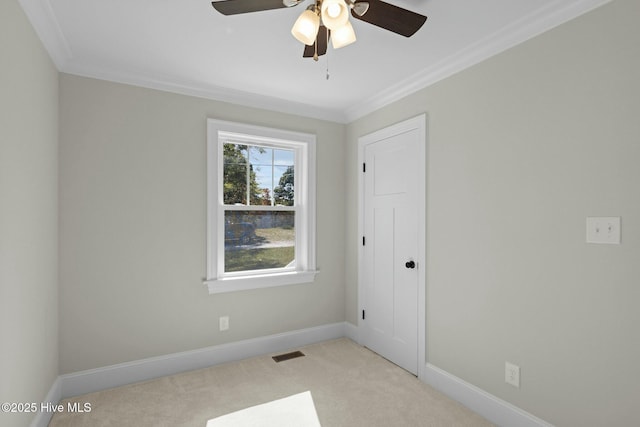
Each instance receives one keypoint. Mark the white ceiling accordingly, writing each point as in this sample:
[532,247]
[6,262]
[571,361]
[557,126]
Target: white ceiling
[186,46]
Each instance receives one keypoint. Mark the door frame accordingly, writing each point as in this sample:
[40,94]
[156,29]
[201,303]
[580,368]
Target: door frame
[418,123]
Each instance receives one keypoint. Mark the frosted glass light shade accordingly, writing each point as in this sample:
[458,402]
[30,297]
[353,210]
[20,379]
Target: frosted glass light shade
[343,36]
[335,13]
[306,27]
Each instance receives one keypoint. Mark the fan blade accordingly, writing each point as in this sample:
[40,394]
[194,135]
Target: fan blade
[321,41]
[393,18]
[234,7]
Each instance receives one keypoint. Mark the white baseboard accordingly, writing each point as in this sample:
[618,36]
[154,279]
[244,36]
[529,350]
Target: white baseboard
[42,418]
[352,332]
[93,380]
[121,374]
[492,408]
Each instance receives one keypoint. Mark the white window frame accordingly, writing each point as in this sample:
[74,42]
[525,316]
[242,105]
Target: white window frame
[304,147]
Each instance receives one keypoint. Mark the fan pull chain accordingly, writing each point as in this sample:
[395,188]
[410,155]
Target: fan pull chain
[327,54]
[327,67]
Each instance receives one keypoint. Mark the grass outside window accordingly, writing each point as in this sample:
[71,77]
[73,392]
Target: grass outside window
[259,254]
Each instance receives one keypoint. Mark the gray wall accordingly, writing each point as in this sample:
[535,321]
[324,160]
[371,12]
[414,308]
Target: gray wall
[521,149]
[133,228]
[28,215]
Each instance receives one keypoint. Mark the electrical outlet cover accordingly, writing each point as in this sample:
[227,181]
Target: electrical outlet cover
[512,374]
[224,323]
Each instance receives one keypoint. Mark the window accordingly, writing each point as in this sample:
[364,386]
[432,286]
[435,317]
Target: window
[261,207]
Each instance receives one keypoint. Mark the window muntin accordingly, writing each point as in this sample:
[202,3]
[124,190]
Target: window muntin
[262,177]
[261,207]
[258,175]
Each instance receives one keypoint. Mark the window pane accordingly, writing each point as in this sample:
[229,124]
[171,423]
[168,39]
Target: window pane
[235,174]
[262,175]
[284,161]
[258,240]
[262,163]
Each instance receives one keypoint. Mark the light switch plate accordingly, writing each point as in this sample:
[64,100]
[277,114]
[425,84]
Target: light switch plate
[603,229]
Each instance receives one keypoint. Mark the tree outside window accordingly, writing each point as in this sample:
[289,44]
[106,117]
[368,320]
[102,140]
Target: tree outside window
[261,210]
[262,239]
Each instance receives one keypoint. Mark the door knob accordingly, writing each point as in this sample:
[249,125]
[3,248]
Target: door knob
[410,264]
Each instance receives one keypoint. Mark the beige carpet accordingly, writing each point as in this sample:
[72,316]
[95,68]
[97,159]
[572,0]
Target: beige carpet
[351,386]
[293,411]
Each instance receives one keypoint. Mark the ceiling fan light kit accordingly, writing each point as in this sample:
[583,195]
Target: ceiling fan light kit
[343,36]
[326,19]
[305,30]
[335,13]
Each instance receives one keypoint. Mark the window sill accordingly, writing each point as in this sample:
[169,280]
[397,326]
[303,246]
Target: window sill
[232,284]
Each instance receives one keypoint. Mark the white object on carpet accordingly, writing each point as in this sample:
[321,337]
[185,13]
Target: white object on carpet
[297,410]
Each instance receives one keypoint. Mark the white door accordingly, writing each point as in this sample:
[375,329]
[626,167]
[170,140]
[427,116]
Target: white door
[392,210]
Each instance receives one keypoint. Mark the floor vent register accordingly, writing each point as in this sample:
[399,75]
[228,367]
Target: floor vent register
[288,356]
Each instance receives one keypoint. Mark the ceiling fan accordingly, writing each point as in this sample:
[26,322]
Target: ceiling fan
[329,19]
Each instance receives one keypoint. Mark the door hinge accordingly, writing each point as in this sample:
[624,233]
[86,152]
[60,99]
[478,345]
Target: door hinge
[363,315]
[364,167]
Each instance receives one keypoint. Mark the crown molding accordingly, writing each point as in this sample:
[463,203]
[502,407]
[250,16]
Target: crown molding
[43,19]
[555,14]
[216,93]
[44,22]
